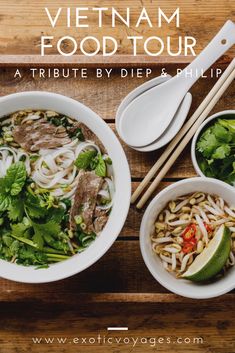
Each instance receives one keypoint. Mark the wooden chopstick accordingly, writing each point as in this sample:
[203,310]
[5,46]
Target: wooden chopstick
[190,128]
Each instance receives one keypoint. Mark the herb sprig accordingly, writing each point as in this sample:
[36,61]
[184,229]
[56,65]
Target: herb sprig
[30,233]
[91,160]
[215,151]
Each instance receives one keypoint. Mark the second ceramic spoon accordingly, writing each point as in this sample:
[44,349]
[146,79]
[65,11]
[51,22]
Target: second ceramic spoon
[147,117]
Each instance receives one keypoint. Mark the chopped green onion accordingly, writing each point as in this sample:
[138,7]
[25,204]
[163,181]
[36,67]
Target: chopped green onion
[78,219]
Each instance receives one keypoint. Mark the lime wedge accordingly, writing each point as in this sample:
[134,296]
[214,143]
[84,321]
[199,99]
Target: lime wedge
[212,259]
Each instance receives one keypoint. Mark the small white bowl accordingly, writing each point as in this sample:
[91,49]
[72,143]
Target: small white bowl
[197,134]
[181,286]
[76,110]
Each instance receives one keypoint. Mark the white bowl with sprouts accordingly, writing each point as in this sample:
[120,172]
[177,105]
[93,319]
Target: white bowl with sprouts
[184,287]
[120,206]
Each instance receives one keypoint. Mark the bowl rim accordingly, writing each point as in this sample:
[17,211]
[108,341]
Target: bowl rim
[197,133]
[144,253]
[70,267]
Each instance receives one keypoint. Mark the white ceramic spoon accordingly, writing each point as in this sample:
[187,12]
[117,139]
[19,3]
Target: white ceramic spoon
[146,118]
[174,126]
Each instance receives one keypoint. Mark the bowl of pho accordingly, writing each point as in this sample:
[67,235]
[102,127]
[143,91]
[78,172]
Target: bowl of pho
[64,187]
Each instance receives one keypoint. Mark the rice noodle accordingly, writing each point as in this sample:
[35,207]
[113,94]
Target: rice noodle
[56,166]
[10,155]
[110,193]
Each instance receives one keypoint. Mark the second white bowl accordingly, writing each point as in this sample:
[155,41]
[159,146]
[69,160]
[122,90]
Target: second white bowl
[181,286]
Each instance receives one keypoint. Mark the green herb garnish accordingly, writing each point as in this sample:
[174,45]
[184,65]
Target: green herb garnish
[215,150]
[91,160]
[11,185]
[84,159]
[100,169]
[31,225]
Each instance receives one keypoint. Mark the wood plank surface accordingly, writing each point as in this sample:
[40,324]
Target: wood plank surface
[213,322]
[23,22]
[118,290]
[117,60]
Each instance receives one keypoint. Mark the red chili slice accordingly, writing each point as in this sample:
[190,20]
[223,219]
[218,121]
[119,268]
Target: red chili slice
[193,241]
[189,232]
[187,248]
[208,227]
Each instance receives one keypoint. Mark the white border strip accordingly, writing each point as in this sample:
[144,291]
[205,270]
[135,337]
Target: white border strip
[117,328]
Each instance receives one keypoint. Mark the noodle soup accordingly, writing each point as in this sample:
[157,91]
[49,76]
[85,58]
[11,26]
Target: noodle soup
[56,187]
[185,228]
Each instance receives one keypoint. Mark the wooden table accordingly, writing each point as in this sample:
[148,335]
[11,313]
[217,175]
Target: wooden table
[118,290]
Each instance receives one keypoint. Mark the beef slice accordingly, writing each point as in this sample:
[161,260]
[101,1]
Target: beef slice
[40,134]
[85,198]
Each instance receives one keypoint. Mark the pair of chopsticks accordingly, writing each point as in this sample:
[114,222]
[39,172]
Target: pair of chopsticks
[180,141]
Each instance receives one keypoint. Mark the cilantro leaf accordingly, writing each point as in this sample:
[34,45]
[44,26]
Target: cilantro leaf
[38,239]
[221,152]
[20,229]
[50,233]
[43,231]
[7,240]
[228,123]
[16,210]
[14,247]
[56,214]
[222,133]
[52,228]
[29,256]
[33,207]
[207,143]
[84,159]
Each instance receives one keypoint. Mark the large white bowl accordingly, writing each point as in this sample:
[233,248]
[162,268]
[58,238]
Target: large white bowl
[79,262]
[181,286]
[208,121]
